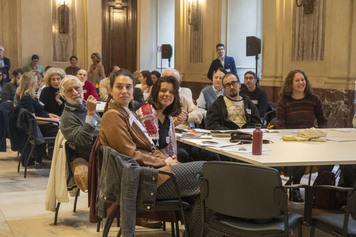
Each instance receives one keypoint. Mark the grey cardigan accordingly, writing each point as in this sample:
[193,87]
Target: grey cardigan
[123,181]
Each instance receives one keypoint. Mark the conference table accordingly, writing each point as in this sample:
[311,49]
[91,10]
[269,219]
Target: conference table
[339,148]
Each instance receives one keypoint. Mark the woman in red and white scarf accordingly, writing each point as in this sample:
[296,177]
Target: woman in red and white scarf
[156,115]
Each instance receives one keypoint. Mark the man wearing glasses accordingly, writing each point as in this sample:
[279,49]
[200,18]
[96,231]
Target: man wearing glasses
[232,111]
[255,93]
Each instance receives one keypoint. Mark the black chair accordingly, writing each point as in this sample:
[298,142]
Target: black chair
[339,224]
[245,200]
[35,143]
[69,154]
[269,119]
[173,206]
[5,108]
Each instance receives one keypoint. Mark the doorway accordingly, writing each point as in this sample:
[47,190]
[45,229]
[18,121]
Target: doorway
[119,34]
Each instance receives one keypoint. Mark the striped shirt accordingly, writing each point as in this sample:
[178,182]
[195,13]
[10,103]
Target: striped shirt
[302,113]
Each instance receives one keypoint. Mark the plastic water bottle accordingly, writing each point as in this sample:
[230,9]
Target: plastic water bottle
[257,137]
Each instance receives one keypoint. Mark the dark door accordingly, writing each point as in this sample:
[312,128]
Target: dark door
[119,34]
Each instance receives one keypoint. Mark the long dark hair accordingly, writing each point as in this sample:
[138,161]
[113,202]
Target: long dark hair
[113,76]
[147,75]
[173,109]
[287,89]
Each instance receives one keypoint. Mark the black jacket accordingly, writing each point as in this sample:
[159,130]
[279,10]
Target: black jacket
[217,117]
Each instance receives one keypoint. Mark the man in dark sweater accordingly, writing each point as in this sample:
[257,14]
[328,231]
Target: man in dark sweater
[221,61]
[232,111]
[80,126]
[255,93]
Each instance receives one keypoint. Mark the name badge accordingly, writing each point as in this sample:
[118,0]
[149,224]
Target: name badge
[228,70]
[84,91]
[255,102]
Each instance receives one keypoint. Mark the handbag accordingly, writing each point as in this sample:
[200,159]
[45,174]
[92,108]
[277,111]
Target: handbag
[241,137]
[244,138]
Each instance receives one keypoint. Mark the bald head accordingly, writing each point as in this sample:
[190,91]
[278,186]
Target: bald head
[82,75]
[172,72]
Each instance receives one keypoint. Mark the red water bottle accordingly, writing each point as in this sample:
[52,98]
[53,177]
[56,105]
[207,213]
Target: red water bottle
[257,137]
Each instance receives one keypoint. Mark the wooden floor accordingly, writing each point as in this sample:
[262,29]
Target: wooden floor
[22,207]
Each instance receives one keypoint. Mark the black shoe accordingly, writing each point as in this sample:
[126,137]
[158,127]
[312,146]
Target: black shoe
[296,196]
[145,222]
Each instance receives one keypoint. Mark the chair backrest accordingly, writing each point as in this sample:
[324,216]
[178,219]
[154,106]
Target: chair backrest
[243,190]
[351,203]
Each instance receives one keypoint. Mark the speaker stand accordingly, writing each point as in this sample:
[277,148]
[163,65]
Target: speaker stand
[256,58]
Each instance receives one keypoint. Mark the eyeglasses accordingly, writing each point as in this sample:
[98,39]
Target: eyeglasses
[228,85]
[249,78]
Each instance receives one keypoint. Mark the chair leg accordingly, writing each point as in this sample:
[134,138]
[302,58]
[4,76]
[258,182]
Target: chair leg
[76,200]
[312,231]
[300,229]
[56,214]
[119,233]
[164,225]
[98,226]
[177,227]
[172,229]
[107,226]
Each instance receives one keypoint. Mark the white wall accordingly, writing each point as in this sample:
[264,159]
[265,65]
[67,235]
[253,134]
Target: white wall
[244,19]
[156,27]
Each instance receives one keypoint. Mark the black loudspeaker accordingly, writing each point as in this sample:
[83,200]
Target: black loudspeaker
[253,46]
[166,51]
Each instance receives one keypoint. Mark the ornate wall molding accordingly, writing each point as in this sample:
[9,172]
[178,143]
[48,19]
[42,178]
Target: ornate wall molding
[63,45]
[308,33]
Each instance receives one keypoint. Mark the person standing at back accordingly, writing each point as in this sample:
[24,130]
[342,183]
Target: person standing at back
[72,69]
[222,61]
[96,71]
[4,65]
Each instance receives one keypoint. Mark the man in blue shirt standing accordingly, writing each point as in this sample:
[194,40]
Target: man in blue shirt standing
[222,61]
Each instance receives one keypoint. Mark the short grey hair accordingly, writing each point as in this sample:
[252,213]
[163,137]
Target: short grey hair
[172,72]
[66,79]
[2,48]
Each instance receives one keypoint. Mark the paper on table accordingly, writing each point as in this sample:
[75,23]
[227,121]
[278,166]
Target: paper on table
[242,149]
[345,129]
[189,136]
[217,144]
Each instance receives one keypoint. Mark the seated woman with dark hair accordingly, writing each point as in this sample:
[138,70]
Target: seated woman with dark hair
[157,116]
[121,130]
[298,108]
[50,97]
[28,100]
[155,75]
[146,83]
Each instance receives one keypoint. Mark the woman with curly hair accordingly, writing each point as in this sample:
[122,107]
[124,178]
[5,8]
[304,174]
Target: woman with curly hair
[50,97]
[298,108]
